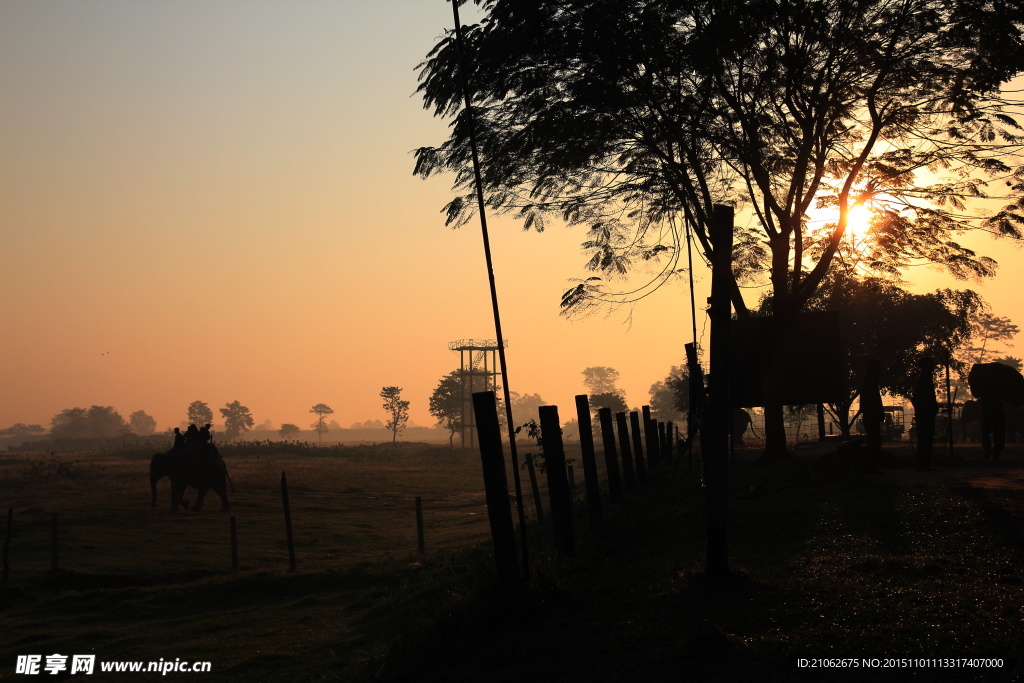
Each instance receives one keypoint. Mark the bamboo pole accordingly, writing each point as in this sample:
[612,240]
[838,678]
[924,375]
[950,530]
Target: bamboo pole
[481,204]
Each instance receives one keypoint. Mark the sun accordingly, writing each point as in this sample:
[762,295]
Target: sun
[858,222]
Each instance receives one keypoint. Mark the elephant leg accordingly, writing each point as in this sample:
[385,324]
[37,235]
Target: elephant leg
[152,485]
[998,432]
[222,491]
[200,498]
[177,490]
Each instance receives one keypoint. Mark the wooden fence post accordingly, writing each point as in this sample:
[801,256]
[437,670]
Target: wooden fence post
[651,437]
[288,522]
[558,483]
[7,542]
[670,436]
[715,443]
[53,542]
[420,543]
[698,398]
[234,545]
[537,502]
[589,458]
[496,488]
[628,471]
[638,447]
[662,440]
[611,458]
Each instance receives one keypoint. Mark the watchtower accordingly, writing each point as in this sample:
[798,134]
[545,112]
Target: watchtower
[478,367]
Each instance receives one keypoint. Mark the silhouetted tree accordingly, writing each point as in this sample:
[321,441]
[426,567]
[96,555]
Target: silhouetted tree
[633,119]
[322,410]
[20,429]
[525,407]
[288,430]
[879,319]
[609,399]
[396,408]
[446,404]
[237,420]
[670,397]
[989,329]
[600,379]
[1015,363]
[141,423]
[199,413]
[96,422]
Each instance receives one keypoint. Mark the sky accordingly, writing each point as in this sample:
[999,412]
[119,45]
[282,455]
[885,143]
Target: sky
[213,200]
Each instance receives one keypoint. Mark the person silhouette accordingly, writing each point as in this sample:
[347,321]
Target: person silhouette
[179,440]
[205,436]
[192,437]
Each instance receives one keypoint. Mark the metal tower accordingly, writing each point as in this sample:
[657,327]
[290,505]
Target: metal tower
[478,367]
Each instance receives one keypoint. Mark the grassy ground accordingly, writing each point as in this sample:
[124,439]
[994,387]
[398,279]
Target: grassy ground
[823,566]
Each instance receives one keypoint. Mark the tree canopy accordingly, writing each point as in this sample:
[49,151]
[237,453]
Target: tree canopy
[199,413]
[237,419]
[397,409]
[96,422]
[142,423]
[601,379]
[321,410]
[446,403]
[634,117]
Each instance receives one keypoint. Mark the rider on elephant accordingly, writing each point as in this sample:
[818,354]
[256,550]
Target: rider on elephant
[192,436]
[179,441]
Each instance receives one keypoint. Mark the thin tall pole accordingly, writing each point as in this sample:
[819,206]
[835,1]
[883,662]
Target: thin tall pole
[494,291]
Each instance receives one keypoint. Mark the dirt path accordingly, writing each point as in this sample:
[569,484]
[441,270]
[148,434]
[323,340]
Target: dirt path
[996,487]
[973,471]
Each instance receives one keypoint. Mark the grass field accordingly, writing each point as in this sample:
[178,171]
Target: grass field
[896,565]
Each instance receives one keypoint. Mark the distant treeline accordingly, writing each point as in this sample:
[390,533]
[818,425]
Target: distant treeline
[163,442]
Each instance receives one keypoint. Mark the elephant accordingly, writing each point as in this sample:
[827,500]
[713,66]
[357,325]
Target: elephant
[200,467]
[992,384]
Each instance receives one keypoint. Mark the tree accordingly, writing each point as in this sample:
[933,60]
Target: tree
[880,319]
[396,408]
[369,424]
[322,410]
[288,431]
[609,399]
[670,397]
[237,420]
[525,407]
[98,422]
[141,423]
[1015,363]
[199,413]
[446,404]
[634,119]
[600,379]
[987,329]
[19,429]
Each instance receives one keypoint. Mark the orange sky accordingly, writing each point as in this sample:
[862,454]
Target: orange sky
[213,200]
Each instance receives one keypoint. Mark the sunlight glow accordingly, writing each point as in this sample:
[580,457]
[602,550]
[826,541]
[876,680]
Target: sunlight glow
[858,222]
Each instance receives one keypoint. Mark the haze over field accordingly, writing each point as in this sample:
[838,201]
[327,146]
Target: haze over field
[214,201]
